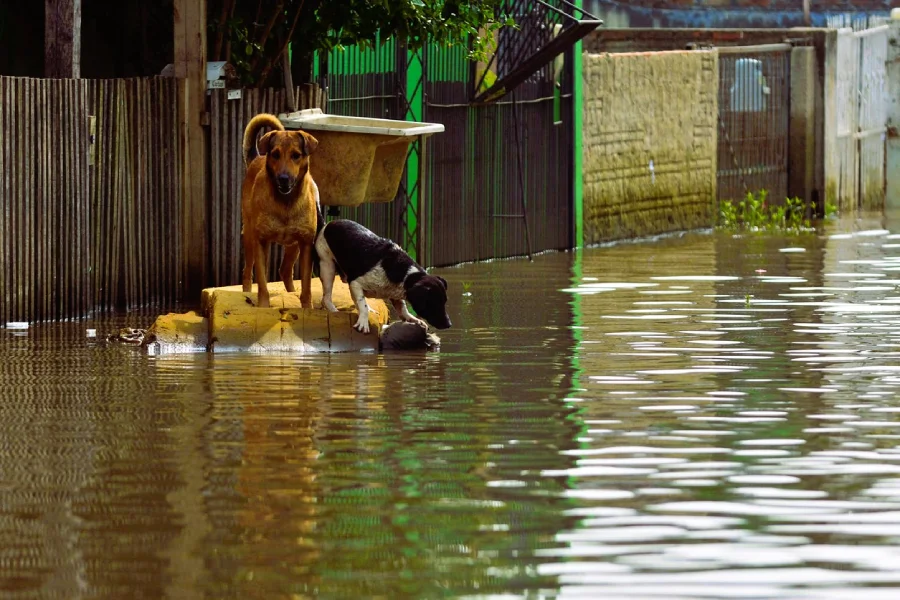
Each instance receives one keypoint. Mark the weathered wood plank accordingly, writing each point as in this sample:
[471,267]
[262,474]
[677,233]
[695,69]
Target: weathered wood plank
[5,176]
[190,64]
[62,38]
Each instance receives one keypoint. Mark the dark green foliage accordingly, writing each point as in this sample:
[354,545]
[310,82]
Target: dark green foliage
[252,34]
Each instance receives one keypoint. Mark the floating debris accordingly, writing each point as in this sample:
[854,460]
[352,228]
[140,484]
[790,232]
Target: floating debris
[127,335]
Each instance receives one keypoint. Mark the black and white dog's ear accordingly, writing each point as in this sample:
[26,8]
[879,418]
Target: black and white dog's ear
[443,281]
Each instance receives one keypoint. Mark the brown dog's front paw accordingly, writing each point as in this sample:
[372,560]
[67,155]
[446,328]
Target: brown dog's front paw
[263,303]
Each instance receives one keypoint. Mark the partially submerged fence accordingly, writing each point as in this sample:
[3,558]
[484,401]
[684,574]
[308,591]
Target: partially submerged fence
[500,174]
[754,121]
[498,180]
[137,250]
[46,225]
[76,236]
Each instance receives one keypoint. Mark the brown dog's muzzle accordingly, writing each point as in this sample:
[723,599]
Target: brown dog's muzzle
[285,183]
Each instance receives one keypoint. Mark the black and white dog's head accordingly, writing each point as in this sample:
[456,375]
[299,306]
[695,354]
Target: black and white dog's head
[428,297]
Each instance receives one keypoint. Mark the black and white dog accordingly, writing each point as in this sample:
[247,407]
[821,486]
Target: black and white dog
[377,267]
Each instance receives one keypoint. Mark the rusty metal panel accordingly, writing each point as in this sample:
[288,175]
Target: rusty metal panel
[754,119]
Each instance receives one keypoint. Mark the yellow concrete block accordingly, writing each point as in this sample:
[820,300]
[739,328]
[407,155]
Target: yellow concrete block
[237,324]
[315,330]
[175,332]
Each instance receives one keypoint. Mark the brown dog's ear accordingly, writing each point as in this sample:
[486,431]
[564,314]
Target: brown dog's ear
[265,142]
[309,143]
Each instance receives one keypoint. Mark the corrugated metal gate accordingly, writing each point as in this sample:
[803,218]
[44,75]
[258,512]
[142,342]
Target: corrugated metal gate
[500,174]
[754,121]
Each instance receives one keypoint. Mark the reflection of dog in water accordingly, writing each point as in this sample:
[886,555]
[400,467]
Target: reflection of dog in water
[376,267]
[280,204]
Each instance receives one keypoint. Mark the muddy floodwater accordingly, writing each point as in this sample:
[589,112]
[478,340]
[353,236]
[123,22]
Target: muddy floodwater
[702,416]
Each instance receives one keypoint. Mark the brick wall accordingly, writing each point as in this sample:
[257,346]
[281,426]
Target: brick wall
[820,5]
[638,108]
[725,13]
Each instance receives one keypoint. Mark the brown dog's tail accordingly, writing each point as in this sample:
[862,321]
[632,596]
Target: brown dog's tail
[252,130]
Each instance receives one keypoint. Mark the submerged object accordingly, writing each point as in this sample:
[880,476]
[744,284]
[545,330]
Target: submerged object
[401,335]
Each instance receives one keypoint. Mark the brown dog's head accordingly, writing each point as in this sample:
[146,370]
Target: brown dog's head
[287,157]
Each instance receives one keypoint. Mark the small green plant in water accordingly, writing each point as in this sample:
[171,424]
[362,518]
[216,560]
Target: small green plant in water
[755,213]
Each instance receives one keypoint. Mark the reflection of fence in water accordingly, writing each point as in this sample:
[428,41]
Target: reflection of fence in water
[754,111]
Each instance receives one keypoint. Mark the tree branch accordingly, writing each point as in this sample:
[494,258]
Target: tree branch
[284,44]
[264,36]
[225,16]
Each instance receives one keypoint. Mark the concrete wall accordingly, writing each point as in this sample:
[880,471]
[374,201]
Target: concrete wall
[649,143]
[808,82]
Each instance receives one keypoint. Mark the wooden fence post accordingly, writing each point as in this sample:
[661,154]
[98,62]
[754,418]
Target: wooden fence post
[62,39]
[190,67]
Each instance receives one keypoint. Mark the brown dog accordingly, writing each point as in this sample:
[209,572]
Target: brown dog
[280,204]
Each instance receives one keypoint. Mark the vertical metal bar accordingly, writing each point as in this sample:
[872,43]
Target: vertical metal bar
[421,206]
[515,107]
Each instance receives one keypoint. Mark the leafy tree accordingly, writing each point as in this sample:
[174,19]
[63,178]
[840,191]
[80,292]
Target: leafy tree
[253,35]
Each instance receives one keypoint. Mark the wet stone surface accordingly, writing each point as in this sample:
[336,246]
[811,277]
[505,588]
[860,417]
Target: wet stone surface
[704,416]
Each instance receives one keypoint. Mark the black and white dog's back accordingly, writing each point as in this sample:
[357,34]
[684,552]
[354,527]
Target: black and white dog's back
[377,267]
